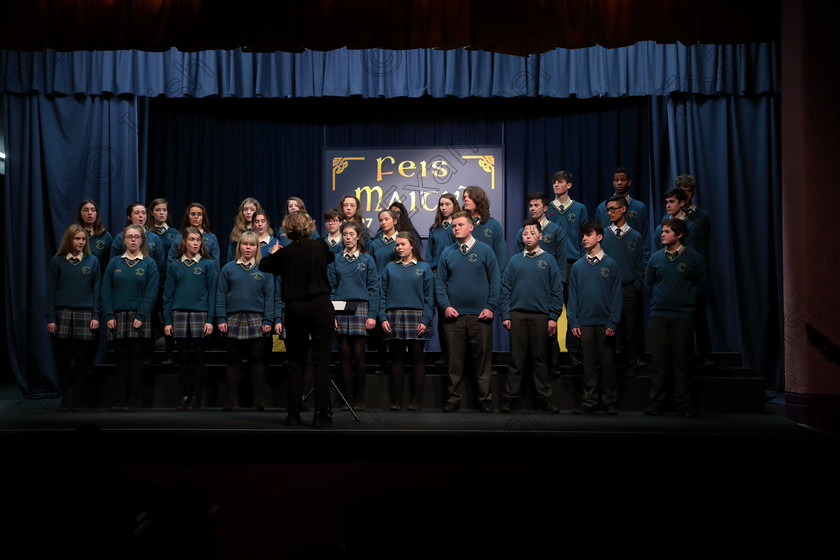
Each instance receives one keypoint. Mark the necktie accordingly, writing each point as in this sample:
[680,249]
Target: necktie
[189,262]
[592,260]
[464,248]
[618,233]
[246,266]
[349,257]
[445,225]
[531,253]
[74,260]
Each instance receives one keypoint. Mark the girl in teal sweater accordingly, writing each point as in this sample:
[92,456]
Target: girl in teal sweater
[72,308]
[129,289]
[405,310]
[188,307]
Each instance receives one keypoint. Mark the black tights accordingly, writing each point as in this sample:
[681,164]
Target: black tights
[351,352]
[74,361]
[254,351]
[192,368]
[414,350]
[128,363]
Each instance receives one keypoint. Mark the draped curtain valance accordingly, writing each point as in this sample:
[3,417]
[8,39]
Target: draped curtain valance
[642,69]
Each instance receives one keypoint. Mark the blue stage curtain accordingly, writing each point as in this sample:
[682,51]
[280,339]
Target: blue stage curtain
[61,150]
[660,110]
[738,170]
[644,68]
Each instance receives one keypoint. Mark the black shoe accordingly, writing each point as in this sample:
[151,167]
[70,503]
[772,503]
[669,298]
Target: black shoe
[573,361]
[358,406]
[450,406]
[128,407]
[65,404]
[258,407]
[293,420]
[611,409]
[321,419]
[547,406]
[691,412]
[581,409]
[395,405]
[414,405]
[192,404]
[653,411]
[228,406]
[486,406]
[183,403]
[507,406]
[117,407]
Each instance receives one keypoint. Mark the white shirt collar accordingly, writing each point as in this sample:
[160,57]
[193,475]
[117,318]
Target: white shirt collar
[469,243]
[354,254]
[598,256]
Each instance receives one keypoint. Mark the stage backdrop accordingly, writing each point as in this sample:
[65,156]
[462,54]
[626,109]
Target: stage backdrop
[416,177]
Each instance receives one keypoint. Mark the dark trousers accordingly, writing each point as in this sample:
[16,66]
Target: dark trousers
[313,318]
[630,328]
[528,339]
[598,349]
[701,328]
[670,351]
[467,334]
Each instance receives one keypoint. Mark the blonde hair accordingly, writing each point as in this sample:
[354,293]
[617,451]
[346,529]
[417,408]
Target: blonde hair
[298,225]
[251,237]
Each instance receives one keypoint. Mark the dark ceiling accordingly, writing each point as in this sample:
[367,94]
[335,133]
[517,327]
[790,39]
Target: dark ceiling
[518,27]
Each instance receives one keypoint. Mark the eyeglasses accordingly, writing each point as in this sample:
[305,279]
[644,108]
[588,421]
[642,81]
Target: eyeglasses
[614,208]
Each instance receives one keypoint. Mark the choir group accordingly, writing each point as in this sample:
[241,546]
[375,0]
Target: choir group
[154,280]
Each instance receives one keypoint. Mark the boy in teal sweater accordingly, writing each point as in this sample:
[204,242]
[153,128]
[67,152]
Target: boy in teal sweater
[468,288]
[675,277]
[531,301]
[594,312]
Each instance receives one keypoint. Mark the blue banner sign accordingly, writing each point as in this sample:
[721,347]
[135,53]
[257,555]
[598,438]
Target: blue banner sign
[416,177]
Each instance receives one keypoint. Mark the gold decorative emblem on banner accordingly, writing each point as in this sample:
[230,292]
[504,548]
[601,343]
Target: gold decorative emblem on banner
[339,164]
[488,164]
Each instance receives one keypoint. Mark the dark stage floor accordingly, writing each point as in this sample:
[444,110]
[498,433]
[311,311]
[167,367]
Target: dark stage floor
[243,485]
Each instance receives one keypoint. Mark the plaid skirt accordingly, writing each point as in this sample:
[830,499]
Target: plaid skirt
[125,326]
[188,324]
[353,325]
[245,326]
[404,325]
[74,324]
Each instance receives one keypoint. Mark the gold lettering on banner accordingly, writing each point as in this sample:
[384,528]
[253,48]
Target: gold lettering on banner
[488,164]
[424,196]
[408,168]
[339,164]
[368,196]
